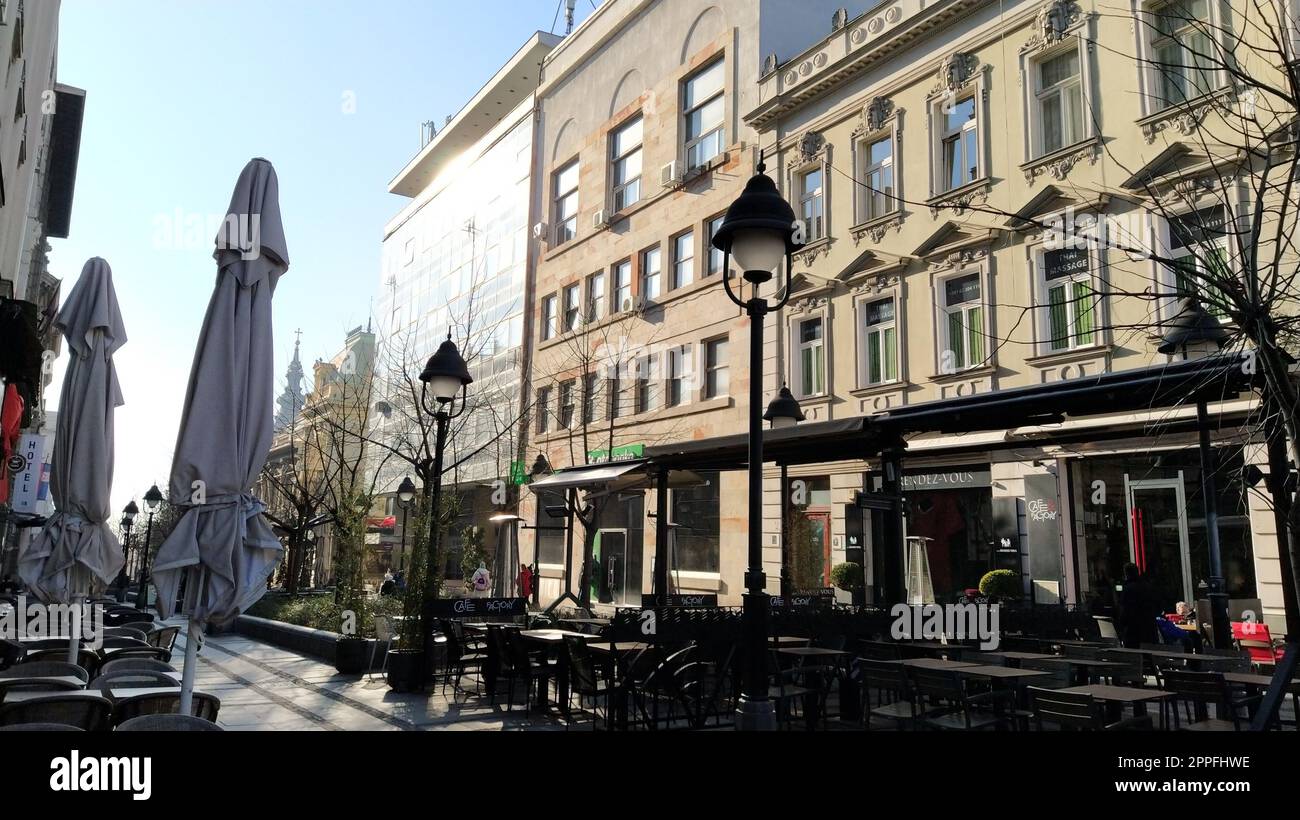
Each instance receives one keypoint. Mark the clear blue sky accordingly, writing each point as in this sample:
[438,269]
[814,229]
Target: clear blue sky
[181,93]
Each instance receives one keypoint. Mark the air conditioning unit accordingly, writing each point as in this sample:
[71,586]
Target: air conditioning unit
[627,305]
[539,230]
[599,219]
[671,174]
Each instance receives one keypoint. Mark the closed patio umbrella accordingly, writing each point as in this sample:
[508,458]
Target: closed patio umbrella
[76,542]
[221,540]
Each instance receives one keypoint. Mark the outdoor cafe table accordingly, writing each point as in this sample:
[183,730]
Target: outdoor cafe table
[1116,697]
[935,649]
[814,681]
[1196,661]
[1010,676]
[553,641]
[1016,657]
[1084,667]
[932,663]
[788,640]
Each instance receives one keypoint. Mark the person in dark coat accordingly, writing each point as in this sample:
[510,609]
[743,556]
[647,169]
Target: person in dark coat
[1138,610]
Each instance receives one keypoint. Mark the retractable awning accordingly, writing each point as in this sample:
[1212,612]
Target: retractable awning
[593,475]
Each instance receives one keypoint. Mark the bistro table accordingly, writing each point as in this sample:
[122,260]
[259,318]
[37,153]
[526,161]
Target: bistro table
[814,680]
[934,649]
[1117,697]
[553,641]
[1014,678]
[1081,668]
[788,640]
[932,663]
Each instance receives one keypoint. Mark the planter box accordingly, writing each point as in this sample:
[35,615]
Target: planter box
[315,643]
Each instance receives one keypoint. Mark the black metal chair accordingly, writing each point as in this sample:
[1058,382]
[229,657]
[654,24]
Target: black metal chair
[523,665]
[460,658]
[164,638]
[132,679]
[135,664]
[202,705]
[41,727]
[1196,691]
[1129,673]
[947,703]
[11,652]
[86,658]
[894,699]
[89,712]
[1074,711]
[585,680]
[167,723]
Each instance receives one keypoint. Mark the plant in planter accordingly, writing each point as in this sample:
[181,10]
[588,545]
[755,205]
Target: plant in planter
[1001,584]
[406,663]
[847,576]
[352,651]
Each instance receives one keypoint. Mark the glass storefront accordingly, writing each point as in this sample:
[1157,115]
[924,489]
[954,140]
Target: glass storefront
[618,551]
[1148,509]
[959,525]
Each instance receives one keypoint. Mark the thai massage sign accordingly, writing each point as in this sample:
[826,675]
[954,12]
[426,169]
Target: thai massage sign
[478,607]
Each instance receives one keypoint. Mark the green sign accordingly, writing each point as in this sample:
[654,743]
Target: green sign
[519,473]
[628,452]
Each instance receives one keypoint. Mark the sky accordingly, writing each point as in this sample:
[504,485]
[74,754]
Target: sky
[180,94]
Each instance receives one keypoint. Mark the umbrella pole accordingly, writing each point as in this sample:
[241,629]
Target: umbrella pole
[80,580]
[192,636]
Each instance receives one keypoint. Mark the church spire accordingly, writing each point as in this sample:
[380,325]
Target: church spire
[290,401]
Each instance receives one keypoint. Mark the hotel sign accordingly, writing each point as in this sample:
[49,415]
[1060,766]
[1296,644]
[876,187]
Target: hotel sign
[628,452]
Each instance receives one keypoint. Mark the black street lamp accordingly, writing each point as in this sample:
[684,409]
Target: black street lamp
[784,411]
[445,376]
[129,512]
[760,231]
[405,495]
[151,501]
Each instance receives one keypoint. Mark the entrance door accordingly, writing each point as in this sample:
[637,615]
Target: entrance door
[819,524]
[622,581]
[1157,527]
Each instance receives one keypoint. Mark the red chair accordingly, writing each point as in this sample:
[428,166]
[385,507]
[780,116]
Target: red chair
[1256,640]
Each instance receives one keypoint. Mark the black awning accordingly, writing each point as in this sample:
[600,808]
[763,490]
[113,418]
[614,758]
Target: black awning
[1165,387]
[65,148]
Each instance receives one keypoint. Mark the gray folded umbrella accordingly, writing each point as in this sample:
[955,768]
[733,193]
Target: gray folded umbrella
[227,425]
[76,542]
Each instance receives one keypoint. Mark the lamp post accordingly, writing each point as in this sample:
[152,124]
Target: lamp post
[784,411]
[129,512]
[445,375]
[405,495]
[1194,330]
[152,499]
[760,231]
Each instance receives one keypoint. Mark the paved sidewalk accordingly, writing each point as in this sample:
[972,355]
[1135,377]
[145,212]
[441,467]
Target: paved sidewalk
[263,687]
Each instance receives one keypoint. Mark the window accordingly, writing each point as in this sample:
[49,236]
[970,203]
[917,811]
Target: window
[551,529]
[595,297]
[879,342]
[1198,244]
[566,203]
[543,409]
[715,255]
[626,148]
[1183,52]
[622,286]
[811,205]
[1071,303]
[678,367]
[811,358]
[572,307]
[650,270]
[684,259]
[697,526]
[1060,102]
[566,404]
[705,107]
[589,387]
[646,395]
[959,144]
[963,323]
[550,319]
[614,395]
[878,178]
[717,381]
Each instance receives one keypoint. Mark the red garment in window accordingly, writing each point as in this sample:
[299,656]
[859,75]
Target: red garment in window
[11,419]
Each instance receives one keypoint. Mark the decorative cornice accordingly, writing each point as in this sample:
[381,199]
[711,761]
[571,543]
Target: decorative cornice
[873,285]
[809,253]
[960,200]
[877,228]
[955,72]
[813,147]
[1185,118]
[1059,164]
[964,256]
[1051,24]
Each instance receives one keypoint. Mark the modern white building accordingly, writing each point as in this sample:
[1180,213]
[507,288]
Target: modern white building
[455,260]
